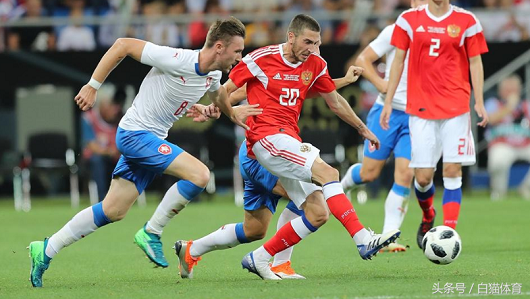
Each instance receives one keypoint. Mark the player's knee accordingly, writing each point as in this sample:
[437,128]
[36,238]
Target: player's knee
[200,177]
[114,213]
[404,176]
[452,170]
[423,180]
[329,174]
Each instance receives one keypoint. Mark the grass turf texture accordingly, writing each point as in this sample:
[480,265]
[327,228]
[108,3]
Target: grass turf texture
[107,263]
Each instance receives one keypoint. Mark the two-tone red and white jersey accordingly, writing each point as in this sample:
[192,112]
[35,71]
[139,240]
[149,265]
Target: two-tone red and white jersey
[280,88]
[439,50]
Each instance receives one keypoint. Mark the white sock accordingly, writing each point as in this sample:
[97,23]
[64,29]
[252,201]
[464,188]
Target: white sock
[172,203]
[284,256]
[223,238]
[261,255]
[80,226]
[347,181]
[395,210]
[360,237]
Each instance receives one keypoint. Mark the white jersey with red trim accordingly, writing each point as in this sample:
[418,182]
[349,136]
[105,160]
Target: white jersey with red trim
[173,85]
[439,51]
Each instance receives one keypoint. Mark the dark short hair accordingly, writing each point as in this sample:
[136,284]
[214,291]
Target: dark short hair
[224,30]
[301,22]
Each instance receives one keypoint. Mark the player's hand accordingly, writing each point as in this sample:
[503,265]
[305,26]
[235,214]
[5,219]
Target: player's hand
[196,113]
[212,111]
[384,120]
[353,74]
[367,134]
[86,98]
[481,112]
[242,112]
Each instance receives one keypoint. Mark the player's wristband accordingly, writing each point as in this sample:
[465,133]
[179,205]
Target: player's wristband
[94,83]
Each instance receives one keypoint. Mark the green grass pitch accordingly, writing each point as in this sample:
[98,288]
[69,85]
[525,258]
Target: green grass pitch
[495,237]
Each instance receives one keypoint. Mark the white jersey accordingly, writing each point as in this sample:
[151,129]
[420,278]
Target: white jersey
[173,85]
[381,46]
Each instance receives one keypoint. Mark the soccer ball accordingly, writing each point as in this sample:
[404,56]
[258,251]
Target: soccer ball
[442,245]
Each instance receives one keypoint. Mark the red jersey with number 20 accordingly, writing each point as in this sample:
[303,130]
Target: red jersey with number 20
[280,88]
[439,51]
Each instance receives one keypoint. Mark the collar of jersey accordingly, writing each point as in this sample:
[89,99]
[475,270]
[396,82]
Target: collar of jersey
[285,60]
[438,19]
[198,71]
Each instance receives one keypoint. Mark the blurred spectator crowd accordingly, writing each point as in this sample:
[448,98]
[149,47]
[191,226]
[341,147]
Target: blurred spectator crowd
[503,20]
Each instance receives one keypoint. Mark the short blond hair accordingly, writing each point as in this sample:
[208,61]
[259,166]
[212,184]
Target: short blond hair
[224,30]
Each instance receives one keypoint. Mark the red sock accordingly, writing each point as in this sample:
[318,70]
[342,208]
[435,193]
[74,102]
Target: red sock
[427,208]
[283,239]
[451,211]
[343,210]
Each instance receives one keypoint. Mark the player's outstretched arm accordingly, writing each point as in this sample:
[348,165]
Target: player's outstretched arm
[477,79]
[366,60]
[342,109]
[238,115]
[395,75]
[86,98]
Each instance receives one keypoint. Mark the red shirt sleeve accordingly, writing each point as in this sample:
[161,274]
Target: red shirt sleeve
[400,37]
[476,45]
[323,84]
[240,74]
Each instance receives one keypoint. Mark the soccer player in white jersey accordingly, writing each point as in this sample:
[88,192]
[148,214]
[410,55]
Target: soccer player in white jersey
[178,79]
[395,140]
[444,44]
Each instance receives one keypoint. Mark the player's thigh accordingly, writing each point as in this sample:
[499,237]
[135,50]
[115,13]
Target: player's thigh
[457,140]
[298,191]
[187,167]
[285,156]
[323,173]
[501,156]
[425,141]
[256,223]
[121,196]
[403,174]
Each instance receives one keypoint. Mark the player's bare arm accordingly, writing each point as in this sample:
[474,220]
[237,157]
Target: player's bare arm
[477,79]
[342,109]
[366,60]
[238,115]
[352,75]
[86,98]
[395,75]
[238,95]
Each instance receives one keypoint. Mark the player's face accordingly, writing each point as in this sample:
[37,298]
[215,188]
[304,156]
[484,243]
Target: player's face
[304,44]
[230,54]
[439,2]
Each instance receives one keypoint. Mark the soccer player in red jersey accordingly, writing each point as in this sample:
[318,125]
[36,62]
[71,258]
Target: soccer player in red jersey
[444,43]
[278,78]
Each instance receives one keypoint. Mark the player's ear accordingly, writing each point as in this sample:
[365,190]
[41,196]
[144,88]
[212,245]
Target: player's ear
[290,37]
[218,46]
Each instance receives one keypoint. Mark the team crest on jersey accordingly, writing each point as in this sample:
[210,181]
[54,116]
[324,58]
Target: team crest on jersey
[306,77]
[305,148]
[453,30]
[164,149]
[208,81]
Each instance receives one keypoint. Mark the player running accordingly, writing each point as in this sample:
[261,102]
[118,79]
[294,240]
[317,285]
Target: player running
[395,140]
[178,79]
[444,43]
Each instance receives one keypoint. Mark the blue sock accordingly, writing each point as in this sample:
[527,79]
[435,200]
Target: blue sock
[100,219]
[400,190]
[308,224]
[188,189]
[240,234]
[356,174]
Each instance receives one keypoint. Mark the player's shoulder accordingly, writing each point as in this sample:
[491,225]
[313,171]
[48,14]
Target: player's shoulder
[411,12]
[464,14]
[264,51]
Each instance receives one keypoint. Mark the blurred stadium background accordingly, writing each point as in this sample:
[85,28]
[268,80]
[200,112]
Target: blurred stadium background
[49,48]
